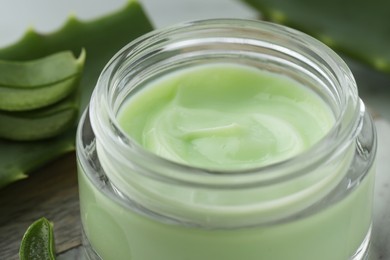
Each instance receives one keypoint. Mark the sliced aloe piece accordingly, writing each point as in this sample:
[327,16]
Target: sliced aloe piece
[40,72]
[38,242]
[19,99]
[38,124]
[30,155]
[359,29]
[101,38]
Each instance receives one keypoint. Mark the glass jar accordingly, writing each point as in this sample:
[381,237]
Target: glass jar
[316,205]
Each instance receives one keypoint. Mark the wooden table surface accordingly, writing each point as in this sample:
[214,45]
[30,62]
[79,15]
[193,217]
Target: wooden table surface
[51,192]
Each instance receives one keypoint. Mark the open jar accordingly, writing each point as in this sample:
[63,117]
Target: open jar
[140,206]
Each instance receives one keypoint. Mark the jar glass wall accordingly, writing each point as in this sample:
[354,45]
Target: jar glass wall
[315,205]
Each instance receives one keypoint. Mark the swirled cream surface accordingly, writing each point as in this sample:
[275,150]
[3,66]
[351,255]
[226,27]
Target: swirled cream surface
[225,116]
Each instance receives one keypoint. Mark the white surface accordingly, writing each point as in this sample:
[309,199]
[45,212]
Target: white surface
[381,226]
[168,12]
[48,15]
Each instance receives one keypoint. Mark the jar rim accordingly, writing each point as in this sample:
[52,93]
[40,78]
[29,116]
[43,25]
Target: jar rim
[344,130]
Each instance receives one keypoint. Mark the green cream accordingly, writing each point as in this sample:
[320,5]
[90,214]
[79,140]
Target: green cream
[225,116]
[117,232]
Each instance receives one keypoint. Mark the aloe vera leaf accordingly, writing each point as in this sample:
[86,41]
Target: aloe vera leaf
[30,156]
[38,241]
[40,72]
[101,38]
[39,124]
[359,29]
[20,99]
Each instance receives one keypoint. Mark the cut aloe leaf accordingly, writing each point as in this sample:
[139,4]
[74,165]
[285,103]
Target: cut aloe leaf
[30,155]
[41,72]
[359,29]
[39,124]
[38,242]
[38,83]
[20,99]
[101,38]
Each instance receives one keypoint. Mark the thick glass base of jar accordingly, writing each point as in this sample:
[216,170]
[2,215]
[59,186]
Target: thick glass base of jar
[362,253]
[89,252]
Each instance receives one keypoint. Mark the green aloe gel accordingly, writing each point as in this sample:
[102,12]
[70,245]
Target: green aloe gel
[224,117]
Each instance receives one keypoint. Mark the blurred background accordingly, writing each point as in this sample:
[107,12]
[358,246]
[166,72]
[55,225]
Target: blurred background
[46,15]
